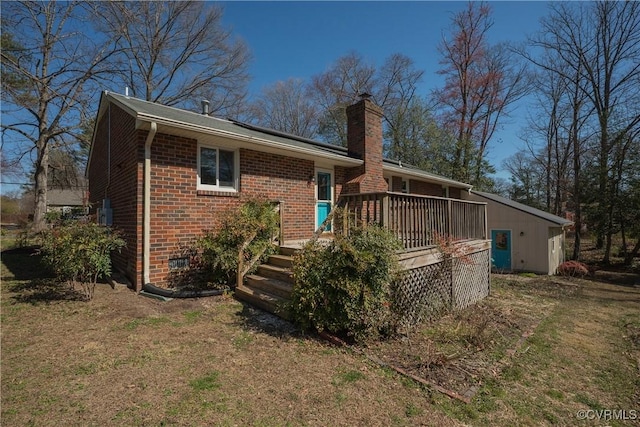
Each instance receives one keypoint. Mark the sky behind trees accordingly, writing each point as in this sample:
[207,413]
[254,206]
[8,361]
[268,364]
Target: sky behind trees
[302,39]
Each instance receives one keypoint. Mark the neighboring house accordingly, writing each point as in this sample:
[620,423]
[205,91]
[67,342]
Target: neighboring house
[164,175]
[523,238]
[66,200]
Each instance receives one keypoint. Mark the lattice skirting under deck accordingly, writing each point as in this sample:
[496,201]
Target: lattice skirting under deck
[428,291]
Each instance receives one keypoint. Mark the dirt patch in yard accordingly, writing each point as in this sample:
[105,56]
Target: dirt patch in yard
[461,351]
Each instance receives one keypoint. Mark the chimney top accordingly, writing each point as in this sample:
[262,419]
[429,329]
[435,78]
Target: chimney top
[205,107]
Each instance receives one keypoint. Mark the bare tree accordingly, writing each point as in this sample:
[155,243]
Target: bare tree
[481,82]
[45,82]
[337,88]
[612,73]
[406,116]
[558,111]
[527,179]
[598,47]
[64,172]
[393,86]
[285,106]
[562,105]
[177,53]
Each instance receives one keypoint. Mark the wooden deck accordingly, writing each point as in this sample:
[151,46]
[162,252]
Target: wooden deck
[420,222]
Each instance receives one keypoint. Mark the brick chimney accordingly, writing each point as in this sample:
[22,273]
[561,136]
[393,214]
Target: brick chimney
[364,141]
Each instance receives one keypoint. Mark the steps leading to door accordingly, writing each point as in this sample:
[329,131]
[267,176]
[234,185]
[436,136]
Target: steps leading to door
[269,288]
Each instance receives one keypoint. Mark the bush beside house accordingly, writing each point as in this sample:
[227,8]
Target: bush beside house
[249,229]
[79,253]
[344,286]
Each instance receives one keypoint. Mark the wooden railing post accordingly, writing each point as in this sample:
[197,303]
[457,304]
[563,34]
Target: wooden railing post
[486,225]
[281,232]
[449,217]
[384,207]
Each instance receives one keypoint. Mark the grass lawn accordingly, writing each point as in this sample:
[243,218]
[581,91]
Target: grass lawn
[536,352]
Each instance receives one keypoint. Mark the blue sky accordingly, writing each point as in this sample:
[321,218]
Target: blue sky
[301,39]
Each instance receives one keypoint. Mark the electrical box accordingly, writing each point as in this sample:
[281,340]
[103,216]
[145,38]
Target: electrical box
[105,213]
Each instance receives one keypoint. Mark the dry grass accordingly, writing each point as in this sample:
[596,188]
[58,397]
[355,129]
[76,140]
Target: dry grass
[123,359]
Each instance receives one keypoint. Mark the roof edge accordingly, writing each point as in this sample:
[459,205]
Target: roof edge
[524,208]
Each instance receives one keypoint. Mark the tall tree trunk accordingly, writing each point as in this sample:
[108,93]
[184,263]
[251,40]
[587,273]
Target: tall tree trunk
[548,176]
[603,196]
[576,201]
[577,188]
[40,189]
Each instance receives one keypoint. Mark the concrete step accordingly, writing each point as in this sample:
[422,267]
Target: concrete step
[274,272]
[285,261]
[264,300]
[273,286]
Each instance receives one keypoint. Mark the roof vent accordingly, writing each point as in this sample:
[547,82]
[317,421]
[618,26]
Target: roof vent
[205,107]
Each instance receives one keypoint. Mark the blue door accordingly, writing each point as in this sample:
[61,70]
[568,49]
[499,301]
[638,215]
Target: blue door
[501,249]
[324,195]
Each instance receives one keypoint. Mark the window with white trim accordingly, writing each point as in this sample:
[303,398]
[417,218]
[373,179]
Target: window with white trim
[217,169]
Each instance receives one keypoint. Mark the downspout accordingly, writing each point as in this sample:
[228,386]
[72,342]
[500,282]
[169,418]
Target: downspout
[146,229]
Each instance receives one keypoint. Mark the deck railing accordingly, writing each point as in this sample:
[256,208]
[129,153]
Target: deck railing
[416,220]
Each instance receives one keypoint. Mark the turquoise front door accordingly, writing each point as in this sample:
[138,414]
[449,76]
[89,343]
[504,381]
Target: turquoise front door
[501,249]
[324,195]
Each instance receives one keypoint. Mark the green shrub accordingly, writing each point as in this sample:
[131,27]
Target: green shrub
[80,253]
[344,286]
[53,216]
[256,221]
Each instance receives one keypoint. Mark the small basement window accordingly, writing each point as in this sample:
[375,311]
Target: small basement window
[178,263]
[217,169]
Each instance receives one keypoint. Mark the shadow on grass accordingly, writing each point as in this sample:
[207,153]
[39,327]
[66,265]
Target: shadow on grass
[24,275]
[265,322]
[23,264]
[43,291]
[621,277]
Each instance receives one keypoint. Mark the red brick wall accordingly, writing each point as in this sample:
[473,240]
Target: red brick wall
[282,178]
[455,193]
[364,141]
[425,188]
[340,174]
[180,213]
[123,185]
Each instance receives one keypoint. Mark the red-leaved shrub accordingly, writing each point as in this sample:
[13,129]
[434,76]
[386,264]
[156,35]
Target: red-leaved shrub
[573,269]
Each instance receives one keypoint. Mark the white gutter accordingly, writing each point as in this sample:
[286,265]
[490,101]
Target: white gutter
[146,229]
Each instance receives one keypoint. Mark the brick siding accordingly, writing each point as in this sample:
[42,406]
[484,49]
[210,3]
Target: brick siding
[425,188]
[179,212]
[120,180]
